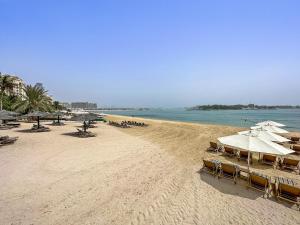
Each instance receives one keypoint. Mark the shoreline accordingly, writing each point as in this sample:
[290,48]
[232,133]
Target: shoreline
[171,121]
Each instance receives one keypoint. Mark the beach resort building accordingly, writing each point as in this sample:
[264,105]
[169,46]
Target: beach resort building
[17,89]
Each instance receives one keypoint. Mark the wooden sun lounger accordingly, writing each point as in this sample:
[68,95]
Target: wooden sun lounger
[288,192]
[229,171]
[229,151]
[270,160]
[295,139]
[40,129]
[4,140]
[211,166]
[296,148]
[259,182]
[291,164]
[213,147]
[243,155]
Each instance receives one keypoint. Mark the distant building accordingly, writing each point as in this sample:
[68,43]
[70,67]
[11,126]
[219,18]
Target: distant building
[66,105]
[18,88]
[92,106]
[83,105]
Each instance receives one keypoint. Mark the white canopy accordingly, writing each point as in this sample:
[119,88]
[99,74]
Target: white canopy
[269,128]
[270,123]
[266,135]
[254,144]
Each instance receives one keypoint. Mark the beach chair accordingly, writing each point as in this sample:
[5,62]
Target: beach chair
[229,151]
[243,155]
[296,148]
[213,147]
[271,160]
[211,166]
[288,192]
[40,129]
[259,182]
[295,140]
[13,124]
[229,171]
[5,127]
[4,140]
[291,164]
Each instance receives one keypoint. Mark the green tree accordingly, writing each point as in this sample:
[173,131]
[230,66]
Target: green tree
[35,98]
[6,85]
[57,106]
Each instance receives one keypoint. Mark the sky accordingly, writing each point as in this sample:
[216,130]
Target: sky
[155,53]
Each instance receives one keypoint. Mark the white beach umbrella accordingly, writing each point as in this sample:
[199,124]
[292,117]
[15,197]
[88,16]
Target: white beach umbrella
[270,123]
[269,128]
[266,135]
[252,143]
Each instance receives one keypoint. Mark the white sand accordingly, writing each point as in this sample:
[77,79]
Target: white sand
[125,176]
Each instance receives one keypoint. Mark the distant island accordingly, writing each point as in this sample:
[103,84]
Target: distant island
[239,107]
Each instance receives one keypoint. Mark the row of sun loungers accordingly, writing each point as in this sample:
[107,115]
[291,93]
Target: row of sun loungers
[281,188]
[134,123]
[272,160]
[116,124]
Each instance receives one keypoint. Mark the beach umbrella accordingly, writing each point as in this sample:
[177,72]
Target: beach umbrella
[270,128]
[253,143]
[58,114]
[38,115]
[10,113]
[270,123]
[6,117]
[85,117]
[266,135]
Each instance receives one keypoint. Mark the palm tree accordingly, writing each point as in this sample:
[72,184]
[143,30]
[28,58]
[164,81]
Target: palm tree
[6,85]
[57,105]
[35,98]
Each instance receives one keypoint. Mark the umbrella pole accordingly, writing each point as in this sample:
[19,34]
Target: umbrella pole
[248,160]
[58,119]
[84,126]
[38,121]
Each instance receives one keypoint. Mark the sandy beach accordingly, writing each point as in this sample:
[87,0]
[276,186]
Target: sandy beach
[140,175]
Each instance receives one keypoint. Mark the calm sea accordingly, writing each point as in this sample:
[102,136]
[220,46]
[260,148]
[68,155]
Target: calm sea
[242,118]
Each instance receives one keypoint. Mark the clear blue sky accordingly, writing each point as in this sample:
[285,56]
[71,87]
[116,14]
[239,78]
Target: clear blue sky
[155,53]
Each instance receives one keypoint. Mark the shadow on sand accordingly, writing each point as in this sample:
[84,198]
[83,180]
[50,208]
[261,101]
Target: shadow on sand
[31,131]
[228,187]
[240,189]
[76,134]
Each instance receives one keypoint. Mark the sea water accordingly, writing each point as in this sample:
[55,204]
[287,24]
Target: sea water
[241,118]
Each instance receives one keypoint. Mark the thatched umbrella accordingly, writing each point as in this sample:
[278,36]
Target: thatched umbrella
[58,114]
[4,116]
[10,113]
[38,115]
[86,118]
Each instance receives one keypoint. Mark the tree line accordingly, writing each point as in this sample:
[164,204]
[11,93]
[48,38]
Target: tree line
[33,97]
